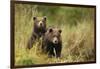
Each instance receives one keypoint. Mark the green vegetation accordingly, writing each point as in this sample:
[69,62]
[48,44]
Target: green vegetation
[77,26]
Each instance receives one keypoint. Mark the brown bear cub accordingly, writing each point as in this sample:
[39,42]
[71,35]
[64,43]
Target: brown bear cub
[39,28]
[52,42]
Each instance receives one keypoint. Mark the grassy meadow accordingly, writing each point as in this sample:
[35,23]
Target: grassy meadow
[77,24]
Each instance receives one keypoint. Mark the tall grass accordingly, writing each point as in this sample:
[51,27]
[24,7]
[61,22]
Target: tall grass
[77,26]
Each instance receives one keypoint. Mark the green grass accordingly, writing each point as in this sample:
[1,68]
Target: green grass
[77,26]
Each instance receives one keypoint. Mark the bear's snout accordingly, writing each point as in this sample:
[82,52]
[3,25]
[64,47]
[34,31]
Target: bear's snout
[40,24]
[55,40]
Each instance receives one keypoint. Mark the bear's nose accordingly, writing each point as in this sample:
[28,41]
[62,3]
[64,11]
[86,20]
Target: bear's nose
[55,40]
[41,24]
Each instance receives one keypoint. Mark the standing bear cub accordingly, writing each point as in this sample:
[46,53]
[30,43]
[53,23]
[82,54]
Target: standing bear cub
[52,42]
[39,28]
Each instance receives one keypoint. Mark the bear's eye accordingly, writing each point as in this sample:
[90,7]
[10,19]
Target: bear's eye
[50,30]
[60,31]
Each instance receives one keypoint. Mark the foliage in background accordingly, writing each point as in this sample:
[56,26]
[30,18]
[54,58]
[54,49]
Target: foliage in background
[77,24]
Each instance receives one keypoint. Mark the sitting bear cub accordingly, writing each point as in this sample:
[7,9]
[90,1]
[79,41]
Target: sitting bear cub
[39,28]
[52,42]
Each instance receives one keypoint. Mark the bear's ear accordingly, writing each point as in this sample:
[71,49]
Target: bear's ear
[50,30]
[44,18]
[60,31]
[34,18]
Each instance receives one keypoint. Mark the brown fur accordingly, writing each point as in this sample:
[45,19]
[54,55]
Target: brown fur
[39,28]
[48,46]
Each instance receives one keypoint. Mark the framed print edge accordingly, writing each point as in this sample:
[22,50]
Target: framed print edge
[12,34]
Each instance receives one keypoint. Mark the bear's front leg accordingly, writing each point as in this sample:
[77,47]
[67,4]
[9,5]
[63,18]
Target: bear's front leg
[58,51]
[51,52]
[31,41]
